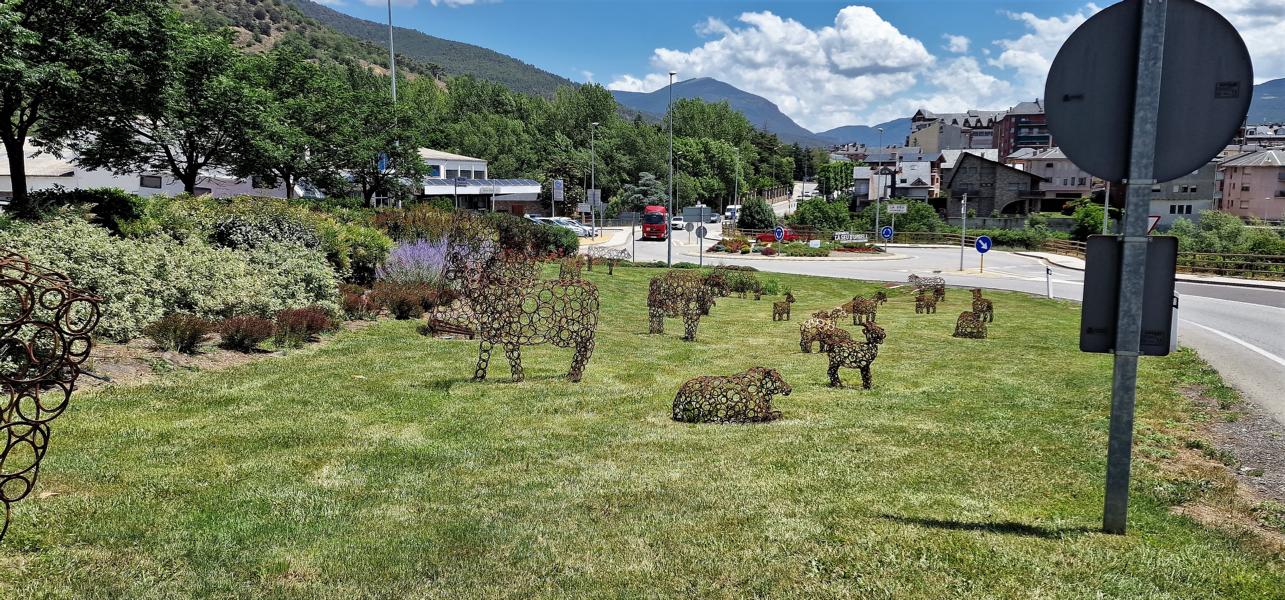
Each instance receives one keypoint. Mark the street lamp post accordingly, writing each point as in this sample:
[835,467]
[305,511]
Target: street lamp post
[593,163]
[880,137]
[392,57]
[736,185]
[669,239]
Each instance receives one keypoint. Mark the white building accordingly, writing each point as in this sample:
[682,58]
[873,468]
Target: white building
[45,171]
[464,180]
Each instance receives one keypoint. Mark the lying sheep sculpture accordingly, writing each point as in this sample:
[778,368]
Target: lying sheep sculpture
[969,325]
[742,398]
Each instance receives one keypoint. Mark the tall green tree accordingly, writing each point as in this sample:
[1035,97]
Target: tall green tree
[67,65]
[381,155]
[756,213]
[205,112]
[298,136]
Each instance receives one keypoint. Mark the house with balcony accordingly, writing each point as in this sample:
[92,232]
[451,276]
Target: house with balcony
[1022,126]
[1063,180]
[1253,185]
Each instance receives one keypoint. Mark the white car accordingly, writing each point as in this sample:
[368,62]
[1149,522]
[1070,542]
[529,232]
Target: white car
[580,228]
[677,223]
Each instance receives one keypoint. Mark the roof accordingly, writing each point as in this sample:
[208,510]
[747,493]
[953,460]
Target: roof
[1022,153]
[1265,158]
[38,165]
[481,182]
[1048,154]
[972,157]
[950,156]
[1027,108]
[430,154]
[969,118]
[883,157]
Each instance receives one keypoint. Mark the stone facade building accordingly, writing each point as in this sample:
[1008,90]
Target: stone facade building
[992,187]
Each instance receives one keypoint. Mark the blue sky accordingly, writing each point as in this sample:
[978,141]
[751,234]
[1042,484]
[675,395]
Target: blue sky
[824,63]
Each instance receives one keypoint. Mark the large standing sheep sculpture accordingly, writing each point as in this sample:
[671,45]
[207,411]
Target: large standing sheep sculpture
[742,398]
[45,336]
[881,297]
[983,307]
[936,285]
[855,355]
[781,310]
[968,325]
[863,309]
[513,307]
[682,294]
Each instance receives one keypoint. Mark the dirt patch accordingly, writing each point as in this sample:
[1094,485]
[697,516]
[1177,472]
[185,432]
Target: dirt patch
[1255,440]
[139,362]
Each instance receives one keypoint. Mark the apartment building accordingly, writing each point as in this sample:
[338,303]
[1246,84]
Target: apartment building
[1023,126]
[1253,185]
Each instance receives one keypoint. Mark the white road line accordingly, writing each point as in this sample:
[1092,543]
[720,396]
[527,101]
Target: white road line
[1272,357]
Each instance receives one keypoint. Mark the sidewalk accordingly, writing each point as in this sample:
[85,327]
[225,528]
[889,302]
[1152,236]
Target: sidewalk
[1071,262]
[619,236]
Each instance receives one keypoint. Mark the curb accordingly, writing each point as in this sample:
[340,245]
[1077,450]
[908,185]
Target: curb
[1179,277]
[753,256]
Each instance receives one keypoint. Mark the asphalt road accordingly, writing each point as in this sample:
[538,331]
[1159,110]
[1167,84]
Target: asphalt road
[1240,331]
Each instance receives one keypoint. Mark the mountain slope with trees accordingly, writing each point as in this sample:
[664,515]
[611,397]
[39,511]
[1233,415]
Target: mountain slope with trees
[760,111]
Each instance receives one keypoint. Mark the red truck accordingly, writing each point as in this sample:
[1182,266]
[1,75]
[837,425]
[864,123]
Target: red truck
[655,223]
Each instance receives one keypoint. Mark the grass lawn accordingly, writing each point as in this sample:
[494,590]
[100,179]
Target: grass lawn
[372,466]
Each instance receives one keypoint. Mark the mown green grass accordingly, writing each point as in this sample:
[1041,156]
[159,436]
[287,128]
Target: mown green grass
[372,466]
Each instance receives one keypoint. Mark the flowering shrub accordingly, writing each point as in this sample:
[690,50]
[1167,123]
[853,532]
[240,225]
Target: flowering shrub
[257,222]
[179,332]
[414,262]
[245,333]
[298,325]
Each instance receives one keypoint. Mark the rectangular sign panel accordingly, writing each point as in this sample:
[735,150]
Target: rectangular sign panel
[898,209]
[595,196]
[1102,295]
[558,193]
[843,236]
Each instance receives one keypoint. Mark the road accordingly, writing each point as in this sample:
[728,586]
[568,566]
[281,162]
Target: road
[1239,331]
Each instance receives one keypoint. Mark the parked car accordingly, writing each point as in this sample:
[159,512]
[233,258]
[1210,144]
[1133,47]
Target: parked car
[677,222]
[769,236]
[580,228]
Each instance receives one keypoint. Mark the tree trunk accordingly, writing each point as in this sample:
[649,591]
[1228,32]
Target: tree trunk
[20,204]
[289,181]
[188,178]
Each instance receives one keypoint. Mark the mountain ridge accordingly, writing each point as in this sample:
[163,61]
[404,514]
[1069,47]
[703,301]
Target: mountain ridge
[760,111]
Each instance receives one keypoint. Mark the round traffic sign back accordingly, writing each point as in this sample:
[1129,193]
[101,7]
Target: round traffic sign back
[701,231]
[1206,86]
[982,244]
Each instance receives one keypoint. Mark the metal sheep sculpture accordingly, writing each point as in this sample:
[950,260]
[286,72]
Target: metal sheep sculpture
[514,308]
[925,302]
[969,325]
[682,294]
[781,310]
[936,285]
[45,336]
[983,307]
[821,331]
[742,398]
[846,352]
[863,309]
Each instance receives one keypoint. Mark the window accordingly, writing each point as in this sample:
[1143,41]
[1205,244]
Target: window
[479,174]
[1048,165]
[1176,188]
[1173,209]
[903,180]
[434,171]
[452,173]
[150,181]
[1084,181]
[1244,187]
[1156,189]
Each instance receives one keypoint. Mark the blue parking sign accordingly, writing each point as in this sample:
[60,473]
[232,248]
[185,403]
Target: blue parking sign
[886,232]
[983,244]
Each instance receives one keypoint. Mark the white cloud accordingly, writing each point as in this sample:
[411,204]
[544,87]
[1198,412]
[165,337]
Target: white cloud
[822,78]
[1030,55]
[588,75]
[956,43]
[1262,24]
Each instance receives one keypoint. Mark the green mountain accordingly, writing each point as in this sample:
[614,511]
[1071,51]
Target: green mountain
[260,24]
[1268,105]
[451,58]
[760,111]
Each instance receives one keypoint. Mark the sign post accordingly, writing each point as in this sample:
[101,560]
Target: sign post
[778,233]
[1108,77]
[897,209]
[963,228]
[700,237]
[886,234]
[983,245]
[559,195]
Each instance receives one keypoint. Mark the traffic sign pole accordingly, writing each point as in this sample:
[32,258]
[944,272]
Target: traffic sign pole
[963,229]
[1133,264]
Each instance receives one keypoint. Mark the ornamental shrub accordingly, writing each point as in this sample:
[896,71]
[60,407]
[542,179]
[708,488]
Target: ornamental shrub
[419,222]
[295,326]
[769,251]
[403,300]
[245,333]
[179,332]
[756,214]
[357,303]
[246,223]
[414,262]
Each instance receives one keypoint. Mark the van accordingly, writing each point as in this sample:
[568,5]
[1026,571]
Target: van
[733,211]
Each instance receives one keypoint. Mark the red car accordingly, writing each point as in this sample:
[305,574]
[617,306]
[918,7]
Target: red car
[770,236]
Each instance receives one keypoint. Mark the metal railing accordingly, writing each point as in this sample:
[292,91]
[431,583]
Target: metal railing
[1247,266]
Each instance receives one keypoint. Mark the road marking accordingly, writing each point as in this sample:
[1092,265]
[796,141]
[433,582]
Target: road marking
[1272,357]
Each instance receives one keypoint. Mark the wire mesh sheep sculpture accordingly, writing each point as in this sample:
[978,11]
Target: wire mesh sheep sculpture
[820,331]
[611,256]
[781,310]
[742,398]
[46,325]
[935,284]
[982,307]
[863,309]
[681,294]
[844,352]
[570,268]
[969,325]
[881,298]
[925,302]
[513,307]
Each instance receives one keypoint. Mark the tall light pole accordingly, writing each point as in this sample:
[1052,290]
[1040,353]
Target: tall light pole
[392,56]
[736,184]
[669,239]
[880,136]
[593,164]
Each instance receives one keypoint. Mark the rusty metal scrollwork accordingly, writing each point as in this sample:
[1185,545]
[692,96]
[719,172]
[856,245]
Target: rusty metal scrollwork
[46,325]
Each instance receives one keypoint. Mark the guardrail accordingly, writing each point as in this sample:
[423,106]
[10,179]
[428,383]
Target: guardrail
[1248,266]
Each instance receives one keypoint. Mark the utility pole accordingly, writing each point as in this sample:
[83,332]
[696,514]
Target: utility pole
[669,239]
[963,230]
[1106,209]
[392,56]
[593,182]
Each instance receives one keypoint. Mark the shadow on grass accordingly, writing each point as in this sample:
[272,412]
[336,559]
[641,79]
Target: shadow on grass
[1005,527]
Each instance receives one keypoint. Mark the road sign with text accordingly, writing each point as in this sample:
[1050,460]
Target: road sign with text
[898,209]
